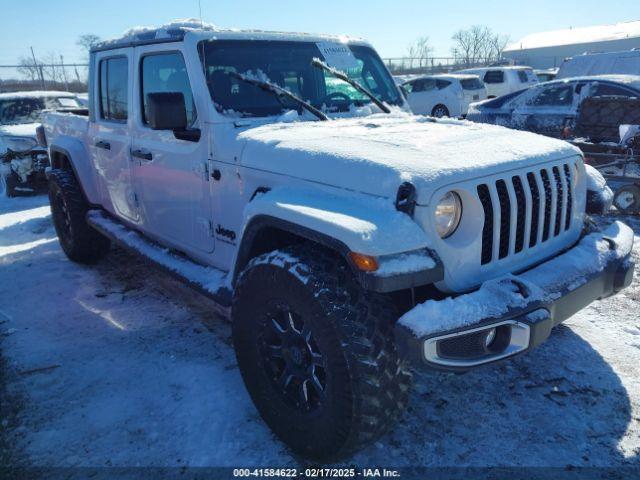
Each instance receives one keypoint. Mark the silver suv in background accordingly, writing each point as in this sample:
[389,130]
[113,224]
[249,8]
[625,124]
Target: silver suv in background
[504,80]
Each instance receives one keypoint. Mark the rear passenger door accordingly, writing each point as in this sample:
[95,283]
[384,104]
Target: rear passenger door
[110,132]
[422,96]
[170,173]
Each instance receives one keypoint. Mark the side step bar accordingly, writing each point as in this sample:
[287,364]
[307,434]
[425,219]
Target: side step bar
[208,281]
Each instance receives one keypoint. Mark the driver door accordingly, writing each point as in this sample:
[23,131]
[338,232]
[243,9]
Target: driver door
[170,174]
[548,110]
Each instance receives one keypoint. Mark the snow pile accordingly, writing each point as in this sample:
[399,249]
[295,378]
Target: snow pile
[375,154]
[405,263]
[209,279]
[167,30]
[364,224]
[597,184]
[544,283]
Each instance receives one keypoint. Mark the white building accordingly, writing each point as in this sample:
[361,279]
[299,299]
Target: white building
[549,49]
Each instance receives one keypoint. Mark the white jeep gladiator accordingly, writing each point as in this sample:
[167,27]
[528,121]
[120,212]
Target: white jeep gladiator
[347,239]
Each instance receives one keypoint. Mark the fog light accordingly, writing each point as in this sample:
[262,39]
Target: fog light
[491,336]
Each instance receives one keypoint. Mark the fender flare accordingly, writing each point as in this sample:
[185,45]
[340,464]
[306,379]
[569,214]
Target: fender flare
[336,225]
[75,153]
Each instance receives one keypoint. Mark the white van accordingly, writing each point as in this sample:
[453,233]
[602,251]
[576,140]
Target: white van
[503,80]
[443,95]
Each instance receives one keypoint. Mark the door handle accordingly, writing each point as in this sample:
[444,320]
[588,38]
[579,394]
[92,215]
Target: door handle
[104,145]
[142,154]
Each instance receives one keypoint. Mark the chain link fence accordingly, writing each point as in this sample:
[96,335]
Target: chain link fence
[429,65]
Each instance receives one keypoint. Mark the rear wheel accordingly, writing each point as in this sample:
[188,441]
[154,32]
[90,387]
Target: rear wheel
[317,353]
[440,111]
[627,199]
[69,208]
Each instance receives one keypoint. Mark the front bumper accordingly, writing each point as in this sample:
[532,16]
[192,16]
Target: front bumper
[513,314]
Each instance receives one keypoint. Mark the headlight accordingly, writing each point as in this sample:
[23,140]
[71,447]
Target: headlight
[19,144]
[448,214]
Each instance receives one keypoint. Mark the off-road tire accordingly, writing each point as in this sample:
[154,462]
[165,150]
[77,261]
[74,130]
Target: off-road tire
[80,242]
[440,111]
[367,386]
[627,199]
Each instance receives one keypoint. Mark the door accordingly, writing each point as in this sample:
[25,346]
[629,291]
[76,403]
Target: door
[170,173]
[548,110]
[110,133]
[495,82]
[422,95]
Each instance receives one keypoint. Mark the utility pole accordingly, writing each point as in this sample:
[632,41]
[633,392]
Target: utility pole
[38,68]
[64,73]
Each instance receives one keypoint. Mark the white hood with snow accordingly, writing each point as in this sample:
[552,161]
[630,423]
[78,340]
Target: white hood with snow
[376,154]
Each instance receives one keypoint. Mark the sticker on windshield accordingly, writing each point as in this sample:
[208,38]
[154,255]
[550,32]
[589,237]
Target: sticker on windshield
[337,55]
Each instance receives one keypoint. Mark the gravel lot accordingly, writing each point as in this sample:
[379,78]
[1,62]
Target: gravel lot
[117,365]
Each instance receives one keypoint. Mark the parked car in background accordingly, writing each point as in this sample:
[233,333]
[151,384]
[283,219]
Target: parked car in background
[550,107]
[504,80]
[610,63]
[444,95]
[546,75]
[22,161]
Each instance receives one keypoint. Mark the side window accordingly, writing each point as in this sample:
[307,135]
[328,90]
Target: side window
[522,75]
[494,76]
[559,95]
[166,72]
[114,97]
[428,84]
[442,84]
[417,86]
[614,90]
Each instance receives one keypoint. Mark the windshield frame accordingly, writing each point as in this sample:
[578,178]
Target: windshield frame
[392,95]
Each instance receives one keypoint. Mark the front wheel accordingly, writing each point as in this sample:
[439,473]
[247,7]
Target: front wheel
[440,111]
[69,208]
[317,353]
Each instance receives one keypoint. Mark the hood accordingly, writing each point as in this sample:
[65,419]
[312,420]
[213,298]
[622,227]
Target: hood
[19,130]
[376,154]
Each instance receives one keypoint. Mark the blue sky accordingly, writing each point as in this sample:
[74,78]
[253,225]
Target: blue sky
[54,25]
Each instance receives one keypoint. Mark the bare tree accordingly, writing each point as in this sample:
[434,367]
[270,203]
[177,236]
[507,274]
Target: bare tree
[28,68]
[478,44]
[87,42]
[421,49]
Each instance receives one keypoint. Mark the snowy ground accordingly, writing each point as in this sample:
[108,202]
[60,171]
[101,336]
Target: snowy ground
[116,365]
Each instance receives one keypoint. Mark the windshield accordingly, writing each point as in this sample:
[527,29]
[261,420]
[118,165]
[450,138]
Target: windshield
[288,65]
[28,109]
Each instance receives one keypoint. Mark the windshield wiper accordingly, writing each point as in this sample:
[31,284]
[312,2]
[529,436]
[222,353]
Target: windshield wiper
[278,91]
[316,62]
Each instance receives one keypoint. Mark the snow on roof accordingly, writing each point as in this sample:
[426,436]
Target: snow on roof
[574,36]
[178,28]
[35,94]
[631,80]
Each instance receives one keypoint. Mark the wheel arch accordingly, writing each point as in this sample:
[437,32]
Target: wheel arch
[71,155]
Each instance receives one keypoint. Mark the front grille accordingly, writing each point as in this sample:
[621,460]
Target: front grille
[525,211]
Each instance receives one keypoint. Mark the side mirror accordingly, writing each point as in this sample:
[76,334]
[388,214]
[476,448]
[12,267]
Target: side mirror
[166,111]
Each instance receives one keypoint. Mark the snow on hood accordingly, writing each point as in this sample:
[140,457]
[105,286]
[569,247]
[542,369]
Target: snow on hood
[376,154]
[19,130]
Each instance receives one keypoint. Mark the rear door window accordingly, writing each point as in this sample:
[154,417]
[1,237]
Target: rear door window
[114,96]
[558,95]
[522,75]
[442,84]
[494,76]
[471,84]
[166,72]
[605,89]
